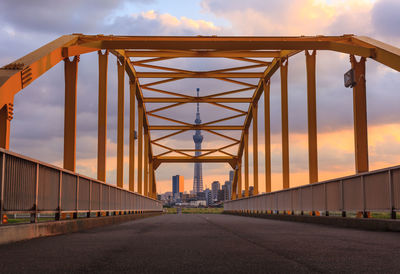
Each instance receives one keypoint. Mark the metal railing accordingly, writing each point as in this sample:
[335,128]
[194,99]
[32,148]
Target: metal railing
[31,186]
[375,191]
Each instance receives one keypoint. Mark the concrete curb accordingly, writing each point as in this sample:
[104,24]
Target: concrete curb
[357,223]
[20,232]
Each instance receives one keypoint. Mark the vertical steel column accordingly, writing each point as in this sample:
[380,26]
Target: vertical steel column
[239,181]
[146,164]
[6,115]
[120,135]
[285,122]
[312,118]
[255,148]
[132,112]
[267,136]
[246,164]
[102,117]
[71,76]
[360,115]
[140,147]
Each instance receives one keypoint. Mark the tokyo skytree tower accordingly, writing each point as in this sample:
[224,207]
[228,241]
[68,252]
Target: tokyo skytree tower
[198,139]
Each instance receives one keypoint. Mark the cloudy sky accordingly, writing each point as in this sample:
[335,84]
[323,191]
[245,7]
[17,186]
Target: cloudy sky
[37,127]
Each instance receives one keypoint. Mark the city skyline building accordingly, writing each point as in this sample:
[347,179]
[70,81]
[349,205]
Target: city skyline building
[215,187]
[231,175]
[228,190]
[198,139]
[178,184]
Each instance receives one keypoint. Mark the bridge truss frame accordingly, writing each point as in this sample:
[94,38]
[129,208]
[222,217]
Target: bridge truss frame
[21,73]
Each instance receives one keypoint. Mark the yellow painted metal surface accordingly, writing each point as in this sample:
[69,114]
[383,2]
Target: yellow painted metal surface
[102,117]
[150,49]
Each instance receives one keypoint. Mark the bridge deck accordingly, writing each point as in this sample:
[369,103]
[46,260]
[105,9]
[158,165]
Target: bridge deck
[207,244]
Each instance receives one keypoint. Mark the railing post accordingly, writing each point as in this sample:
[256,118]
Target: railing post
[291,202]
[109,196]
[75,215]
[58,214]
[312,202]
[391,196]
[34,215]
[100,199]
[365,213]
[342,198]
[90,199]
[3,169]
[301,202]
[326,200]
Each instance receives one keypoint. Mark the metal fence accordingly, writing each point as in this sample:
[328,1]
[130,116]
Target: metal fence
[377,191]
[30,186]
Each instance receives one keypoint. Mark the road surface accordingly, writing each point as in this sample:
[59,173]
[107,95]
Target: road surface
[206,244]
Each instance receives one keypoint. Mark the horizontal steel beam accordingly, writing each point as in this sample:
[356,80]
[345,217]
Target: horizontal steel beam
[196,127]
[195,100]
[202,54]
[199,74]
[231,160]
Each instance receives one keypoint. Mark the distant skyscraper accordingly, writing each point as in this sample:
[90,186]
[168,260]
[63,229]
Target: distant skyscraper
[177,184]
[215,187]
[228,190]
[198,139]
[231,174]
[208,195]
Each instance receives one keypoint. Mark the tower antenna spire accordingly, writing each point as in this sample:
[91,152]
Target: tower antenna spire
[198,139]
[198,104]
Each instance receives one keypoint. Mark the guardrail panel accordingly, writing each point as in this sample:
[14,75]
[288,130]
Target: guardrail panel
[84,194]
[19,184]
[296,199]
[333,196]
[95,203]
[104,197]
[284,200]
[396,188]
[48,188]
[68,192]
[318,192]
[353,196]
[377,191]
[306,198]
[113,198]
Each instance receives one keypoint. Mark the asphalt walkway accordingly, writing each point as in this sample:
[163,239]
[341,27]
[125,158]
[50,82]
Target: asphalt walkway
[207,244]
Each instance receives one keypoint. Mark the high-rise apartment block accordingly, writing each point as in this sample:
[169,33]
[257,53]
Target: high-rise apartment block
[177,184]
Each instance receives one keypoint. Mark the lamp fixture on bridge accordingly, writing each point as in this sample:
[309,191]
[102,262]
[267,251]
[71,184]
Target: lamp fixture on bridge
[349,80]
